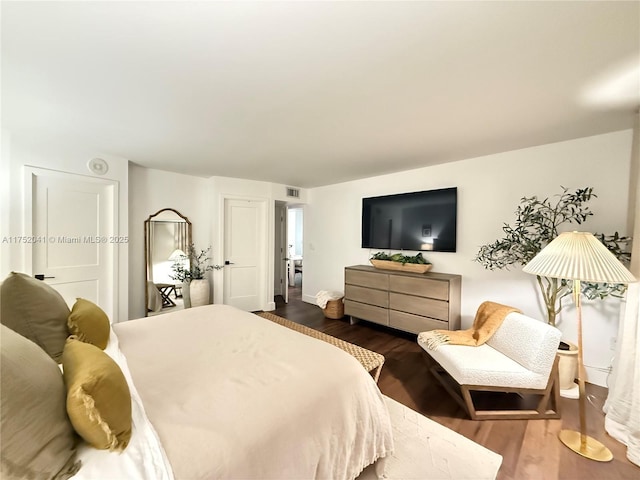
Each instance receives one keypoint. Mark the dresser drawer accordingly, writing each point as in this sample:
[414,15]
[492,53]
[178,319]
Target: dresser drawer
[423,287]
[368,295]
[367,312]
[367,279]
[414,323]
[406,301]
[426,307]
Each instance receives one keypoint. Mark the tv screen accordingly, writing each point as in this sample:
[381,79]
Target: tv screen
[416,221]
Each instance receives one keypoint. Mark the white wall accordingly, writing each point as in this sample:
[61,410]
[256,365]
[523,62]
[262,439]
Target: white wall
[69,157]
[633,216]
[151,190]
[635,198]
[489,190]
[5,202]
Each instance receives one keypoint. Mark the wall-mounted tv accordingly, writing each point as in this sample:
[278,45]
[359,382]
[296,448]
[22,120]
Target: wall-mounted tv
[416,221]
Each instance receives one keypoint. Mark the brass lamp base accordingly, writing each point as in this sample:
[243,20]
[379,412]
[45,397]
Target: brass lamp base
[593,449]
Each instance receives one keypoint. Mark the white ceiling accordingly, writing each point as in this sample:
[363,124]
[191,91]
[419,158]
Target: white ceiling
[314,93]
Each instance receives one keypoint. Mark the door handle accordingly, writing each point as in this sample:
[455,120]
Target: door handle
[227,262]
[40,276]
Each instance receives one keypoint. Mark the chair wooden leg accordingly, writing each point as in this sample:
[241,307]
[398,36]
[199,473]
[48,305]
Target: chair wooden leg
[548,407]
[550,401]
[471,408]
[448,383]
[556,388]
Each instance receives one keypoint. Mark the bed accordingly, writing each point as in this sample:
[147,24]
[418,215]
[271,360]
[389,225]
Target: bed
[221,393]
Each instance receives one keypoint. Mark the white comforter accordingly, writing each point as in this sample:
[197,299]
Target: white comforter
[143,459]
[232,395]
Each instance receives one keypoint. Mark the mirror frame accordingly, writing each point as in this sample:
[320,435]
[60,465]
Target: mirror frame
[146,248]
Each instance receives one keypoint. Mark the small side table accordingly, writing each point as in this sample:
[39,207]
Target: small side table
[165,290]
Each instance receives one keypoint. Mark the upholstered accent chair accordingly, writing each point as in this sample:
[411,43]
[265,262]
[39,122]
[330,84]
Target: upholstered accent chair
[519,358]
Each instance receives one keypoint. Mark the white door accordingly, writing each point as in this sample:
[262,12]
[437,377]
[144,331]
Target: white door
[280,260]
[245,236]
[284,257]
[73,220]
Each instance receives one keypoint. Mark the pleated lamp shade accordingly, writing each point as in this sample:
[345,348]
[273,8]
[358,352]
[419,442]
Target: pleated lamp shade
[578,256]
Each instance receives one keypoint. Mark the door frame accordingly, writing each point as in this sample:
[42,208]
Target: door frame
[30,175]
[266,245]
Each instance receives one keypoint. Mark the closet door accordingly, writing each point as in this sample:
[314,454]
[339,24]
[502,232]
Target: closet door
[73,223]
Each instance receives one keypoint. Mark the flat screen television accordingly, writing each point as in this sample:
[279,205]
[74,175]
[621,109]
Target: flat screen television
[416,221]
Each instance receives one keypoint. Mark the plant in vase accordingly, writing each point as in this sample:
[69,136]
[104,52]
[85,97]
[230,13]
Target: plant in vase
[190,269]
[401,258]
[399,261]
[537,223]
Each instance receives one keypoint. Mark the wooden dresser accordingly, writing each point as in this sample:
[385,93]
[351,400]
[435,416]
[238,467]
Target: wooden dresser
[411,302]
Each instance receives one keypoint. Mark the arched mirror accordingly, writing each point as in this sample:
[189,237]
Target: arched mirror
[167,236]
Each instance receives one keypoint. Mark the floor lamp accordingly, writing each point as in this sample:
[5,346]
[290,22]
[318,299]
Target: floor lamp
[580,257]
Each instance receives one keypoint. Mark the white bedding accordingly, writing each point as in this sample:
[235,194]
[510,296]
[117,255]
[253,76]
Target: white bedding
[232,395]
[143,459]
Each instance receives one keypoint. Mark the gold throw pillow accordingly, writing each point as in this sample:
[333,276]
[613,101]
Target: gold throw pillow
[98,397]
[89,323]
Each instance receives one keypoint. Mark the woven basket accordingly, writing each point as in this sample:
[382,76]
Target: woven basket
[334,309]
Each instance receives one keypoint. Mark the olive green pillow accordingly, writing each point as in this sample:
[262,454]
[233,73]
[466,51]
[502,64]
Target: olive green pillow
[36,437]
[98,397]
[36,311]
[89,323]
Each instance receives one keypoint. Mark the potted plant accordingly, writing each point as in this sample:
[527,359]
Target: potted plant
[537,223]
[190,269]
[399,261]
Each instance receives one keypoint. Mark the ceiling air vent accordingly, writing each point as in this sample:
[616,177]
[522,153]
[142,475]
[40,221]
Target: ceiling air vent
[293,192]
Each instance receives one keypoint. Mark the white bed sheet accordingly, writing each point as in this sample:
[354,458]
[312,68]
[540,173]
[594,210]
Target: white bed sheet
[232,395]
[144,458]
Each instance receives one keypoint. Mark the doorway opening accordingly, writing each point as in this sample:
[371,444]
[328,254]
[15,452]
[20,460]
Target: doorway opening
[289,254]
[295,246]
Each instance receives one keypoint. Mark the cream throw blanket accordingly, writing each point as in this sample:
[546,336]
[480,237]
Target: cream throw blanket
[488,319]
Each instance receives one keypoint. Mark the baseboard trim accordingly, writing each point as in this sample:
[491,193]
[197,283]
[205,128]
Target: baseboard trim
[596,376]
[309,299]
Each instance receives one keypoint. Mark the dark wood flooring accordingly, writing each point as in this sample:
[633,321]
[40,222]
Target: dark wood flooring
[530,448]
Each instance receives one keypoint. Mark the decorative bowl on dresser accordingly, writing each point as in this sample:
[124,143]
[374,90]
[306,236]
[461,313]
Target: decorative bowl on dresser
[401,267]
[412,302]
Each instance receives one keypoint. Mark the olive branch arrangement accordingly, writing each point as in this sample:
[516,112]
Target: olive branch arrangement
[537,223]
